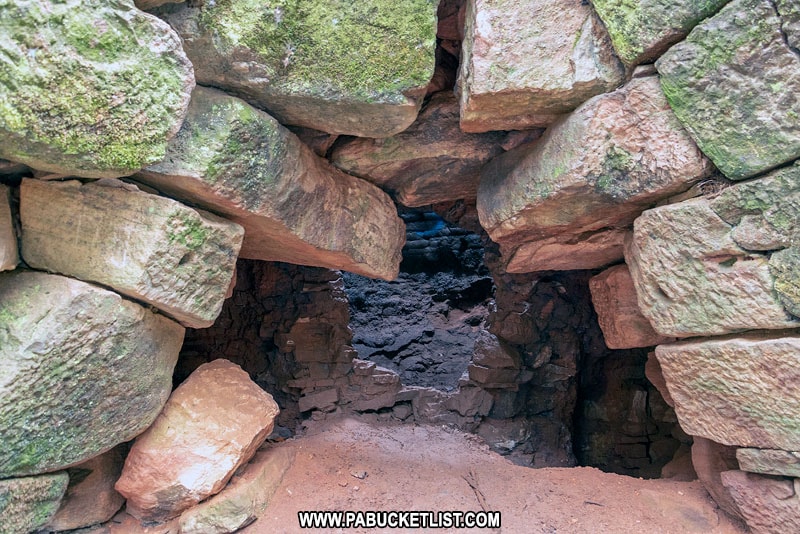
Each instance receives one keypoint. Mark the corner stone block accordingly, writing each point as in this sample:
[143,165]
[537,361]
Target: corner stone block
[734,84]
[353,68]
[90,88]
[27,504]
[586,180]
[526,62]
[737,391]
[214,422]
[769,505]
[9,255]
[150,248]
[295,207]
[81,370]
[769,462]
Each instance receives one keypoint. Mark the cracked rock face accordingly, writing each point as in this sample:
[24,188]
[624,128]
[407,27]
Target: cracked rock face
[734,84]
[89,88]
[355,68]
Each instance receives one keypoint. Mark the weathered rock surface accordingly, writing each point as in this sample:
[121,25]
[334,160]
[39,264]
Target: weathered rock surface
[9,255]
[593,171]
[525,62]
[91,88]
[212,423]
[769,462]
[150,4]
[769,505]
[723,279]
[81,370]
[90,498]
[642,31]
[147,247]
[235,160]
[622,322]
[710,460]
[432,161]
[26,504]
[372,387]
[652,370]
[570,252]
[342,67]
[737,391]
[244,499]
[734,83]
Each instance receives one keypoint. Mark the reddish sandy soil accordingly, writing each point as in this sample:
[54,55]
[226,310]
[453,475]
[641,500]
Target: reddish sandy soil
[411,467]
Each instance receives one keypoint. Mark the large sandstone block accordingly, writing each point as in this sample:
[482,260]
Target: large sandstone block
[737,391]
[769,505]
[621,320]
[355,68]
[9,255]
[236,160]
[81,370]
[89,88]
[734,83]
[27,504]
[589,176]
[212,423]
[710,460]
[147,247]
[736,274]
[244,499]
[641,31]
[525,62]
[90,498]
[432,161]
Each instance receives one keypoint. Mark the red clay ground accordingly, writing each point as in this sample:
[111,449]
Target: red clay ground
[412,467]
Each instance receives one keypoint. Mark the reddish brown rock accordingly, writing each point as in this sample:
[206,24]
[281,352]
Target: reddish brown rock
[614,300]
[652,370]
[432,161]
[213,423]
[91,498]
[710,459]
[233,159]
[588,177]
[568,253]
[769,462]
[9,255]
[525,62]
[769,504]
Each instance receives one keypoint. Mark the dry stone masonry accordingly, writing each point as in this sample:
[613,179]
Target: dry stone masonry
[203,171]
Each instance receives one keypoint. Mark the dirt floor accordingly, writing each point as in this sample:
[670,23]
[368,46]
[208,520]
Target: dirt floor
[412,467]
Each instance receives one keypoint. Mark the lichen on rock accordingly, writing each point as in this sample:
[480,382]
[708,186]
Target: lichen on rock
[90,88]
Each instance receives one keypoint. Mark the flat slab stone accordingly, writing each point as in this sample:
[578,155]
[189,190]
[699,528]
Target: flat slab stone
[570,252]
[431,161]
[90,498]
[26,504]
[244,499]
[621,320]
[295,207]
[734,83]
[642,31]
[91,88]
[769,462]
[147,247]
[523,63]
[9,253]
[769,505]
[734,275]
[593,172]
[354,68]
[213,423]
[81,370]
[737,391]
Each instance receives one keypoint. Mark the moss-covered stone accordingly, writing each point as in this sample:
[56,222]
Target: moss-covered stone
[318,63]
[295,207]
[735,85]
[81,370]
[174,257]
[28,503]
[641,30]
[91,88]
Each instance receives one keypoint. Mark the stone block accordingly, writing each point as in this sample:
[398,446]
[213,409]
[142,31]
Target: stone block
[28,503]
[769,462]
[9,253]
[769,505]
